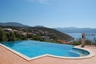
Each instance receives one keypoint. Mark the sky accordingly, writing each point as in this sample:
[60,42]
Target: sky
[50,13]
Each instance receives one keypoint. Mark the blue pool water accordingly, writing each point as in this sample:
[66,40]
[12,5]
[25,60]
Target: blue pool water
[36,48]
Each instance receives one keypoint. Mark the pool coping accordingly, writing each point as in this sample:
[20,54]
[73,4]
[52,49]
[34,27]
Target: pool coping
[92,54]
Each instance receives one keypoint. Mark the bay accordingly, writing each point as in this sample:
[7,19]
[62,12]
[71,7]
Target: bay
[88,36]
[75,35]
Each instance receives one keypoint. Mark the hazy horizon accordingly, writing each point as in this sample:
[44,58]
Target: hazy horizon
[50,13]
[49,27]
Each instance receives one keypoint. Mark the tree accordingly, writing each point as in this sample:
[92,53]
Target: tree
[2,36]
[11,36]
[88,42]
[17,35]
[29,35]
[37,37]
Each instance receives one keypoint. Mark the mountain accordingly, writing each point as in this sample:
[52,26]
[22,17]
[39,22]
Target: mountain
[76,30]
[41,33]
[15,24]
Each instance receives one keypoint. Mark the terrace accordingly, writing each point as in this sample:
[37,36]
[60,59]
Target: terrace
[8,57]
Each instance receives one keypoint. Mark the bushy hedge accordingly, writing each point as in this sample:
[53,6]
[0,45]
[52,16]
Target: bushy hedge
[79,42]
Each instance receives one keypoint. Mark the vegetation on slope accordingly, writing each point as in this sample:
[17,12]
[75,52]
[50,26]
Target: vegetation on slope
[33,33]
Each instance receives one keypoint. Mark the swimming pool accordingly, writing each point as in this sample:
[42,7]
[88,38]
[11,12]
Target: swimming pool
[31,49]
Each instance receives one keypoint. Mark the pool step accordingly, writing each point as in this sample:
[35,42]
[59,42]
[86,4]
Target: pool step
[81,54]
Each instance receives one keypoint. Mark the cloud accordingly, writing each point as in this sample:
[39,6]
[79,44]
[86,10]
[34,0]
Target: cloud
[41,1]
[44,2]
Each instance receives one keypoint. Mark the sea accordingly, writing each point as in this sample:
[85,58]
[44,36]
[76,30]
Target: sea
[75,35]
[88,36]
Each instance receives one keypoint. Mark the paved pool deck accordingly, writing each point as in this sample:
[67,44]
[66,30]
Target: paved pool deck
[8,57]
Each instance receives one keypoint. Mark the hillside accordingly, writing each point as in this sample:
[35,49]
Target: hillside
[39,33]
[55,33]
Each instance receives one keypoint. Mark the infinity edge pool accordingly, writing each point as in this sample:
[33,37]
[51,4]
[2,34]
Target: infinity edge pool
[91,54]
